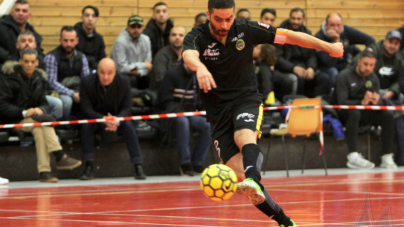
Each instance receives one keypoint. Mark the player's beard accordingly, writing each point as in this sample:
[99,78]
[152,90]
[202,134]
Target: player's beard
[217,31]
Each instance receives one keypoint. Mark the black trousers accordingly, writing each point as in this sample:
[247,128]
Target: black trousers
[319,85]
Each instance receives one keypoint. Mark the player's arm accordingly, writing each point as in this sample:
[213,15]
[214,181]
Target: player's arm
[204,77]
[308,41]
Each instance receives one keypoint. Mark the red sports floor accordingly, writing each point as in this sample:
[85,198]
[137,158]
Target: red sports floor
[335,200]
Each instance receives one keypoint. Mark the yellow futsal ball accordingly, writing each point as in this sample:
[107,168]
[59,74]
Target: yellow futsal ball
[218,182]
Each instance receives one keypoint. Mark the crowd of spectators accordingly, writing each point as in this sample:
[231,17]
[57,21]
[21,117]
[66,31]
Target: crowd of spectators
[76,80]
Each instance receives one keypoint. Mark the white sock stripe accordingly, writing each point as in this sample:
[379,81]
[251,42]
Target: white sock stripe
[247,168]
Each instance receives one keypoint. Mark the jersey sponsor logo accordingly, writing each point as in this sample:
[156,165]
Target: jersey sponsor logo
[386,71]
[240,44]
[249,120]
[211,53]
[264,25]
[239,36]
[353,84]
[212,45]
[368,84]
[216,143]
[245,115]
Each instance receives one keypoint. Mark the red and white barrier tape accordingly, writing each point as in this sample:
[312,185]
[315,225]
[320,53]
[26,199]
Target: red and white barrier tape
[188,114]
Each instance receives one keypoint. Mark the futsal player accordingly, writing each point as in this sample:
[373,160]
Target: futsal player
[220,51]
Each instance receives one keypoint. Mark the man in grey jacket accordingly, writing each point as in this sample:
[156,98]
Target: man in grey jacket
[132,53]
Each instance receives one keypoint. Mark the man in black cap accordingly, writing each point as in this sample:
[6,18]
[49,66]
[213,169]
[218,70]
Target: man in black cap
[132,53]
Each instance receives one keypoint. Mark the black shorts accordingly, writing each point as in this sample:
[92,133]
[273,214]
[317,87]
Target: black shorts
[244,115]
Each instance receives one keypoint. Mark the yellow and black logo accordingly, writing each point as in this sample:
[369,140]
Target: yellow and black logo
[240,44]
[368,84]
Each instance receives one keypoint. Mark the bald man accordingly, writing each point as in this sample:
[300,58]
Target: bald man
[333,30]
[106,94]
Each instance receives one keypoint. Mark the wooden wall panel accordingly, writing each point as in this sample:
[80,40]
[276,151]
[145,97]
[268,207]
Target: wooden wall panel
[374,17]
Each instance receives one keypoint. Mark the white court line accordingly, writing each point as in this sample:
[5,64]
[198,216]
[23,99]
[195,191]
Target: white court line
[346,192]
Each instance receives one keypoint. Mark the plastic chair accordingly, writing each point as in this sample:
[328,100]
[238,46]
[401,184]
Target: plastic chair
[302,122]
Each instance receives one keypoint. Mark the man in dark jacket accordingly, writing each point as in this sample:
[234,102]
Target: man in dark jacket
[333,30]
[167,57]
[158,28]
[359,85]
[10,27]
[300,61]
[107,95]
[90,43]
[22,100]
[178,93]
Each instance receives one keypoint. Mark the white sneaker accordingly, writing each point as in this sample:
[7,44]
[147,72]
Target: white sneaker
[356,161]
[3,181]
[388,162]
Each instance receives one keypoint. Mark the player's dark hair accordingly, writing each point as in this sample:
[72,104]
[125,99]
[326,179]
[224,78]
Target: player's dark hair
[296,10]
[220,4]
[200,15]
[22,2]
[159,4]
[268,10]
[367,52]
[268,54]
[95,9]
[67,28]
[328,17]
[28,51]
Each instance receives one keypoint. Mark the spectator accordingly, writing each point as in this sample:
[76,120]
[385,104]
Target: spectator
[300,61]
[132,53]
[65,67]
[168,56]
[11,26]
[200,18]
[158,28]
[333,30]
[26,40]
[401,30]
[22,100]
[268,78]
[107,95]
[243,13]
[178,93]
[268,16]
[90,43]
[359,85]
[389,61]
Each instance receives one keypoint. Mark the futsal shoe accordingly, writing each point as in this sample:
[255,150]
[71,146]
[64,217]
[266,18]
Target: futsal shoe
[294,225]
[356,161]
[388,162]
[252,190]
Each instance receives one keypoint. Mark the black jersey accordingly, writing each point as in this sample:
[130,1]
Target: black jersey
[232,65]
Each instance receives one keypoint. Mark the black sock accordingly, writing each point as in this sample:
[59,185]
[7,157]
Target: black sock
[58,155]
[252,160]
[89,164]
[273,210]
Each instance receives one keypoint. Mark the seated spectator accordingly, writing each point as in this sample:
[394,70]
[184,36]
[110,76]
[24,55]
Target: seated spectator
[178,93]
[91,43]
[158,28]
[107,95]
[243,13]
[168,56]
[359,85]
[268,16]
[301,62]
[270,80]
[132,53]
[3,181]
[12,25]
[200,18]
[389,61]
[401,30]
[65,67]
[333,30]
[22,100]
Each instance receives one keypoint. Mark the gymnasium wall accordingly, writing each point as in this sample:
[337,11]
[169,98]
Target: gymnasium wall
[374,17]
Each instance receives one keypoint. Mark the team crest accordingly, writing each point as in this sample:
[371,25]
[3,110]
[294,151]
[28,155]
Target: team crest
[368,84]
[240,44]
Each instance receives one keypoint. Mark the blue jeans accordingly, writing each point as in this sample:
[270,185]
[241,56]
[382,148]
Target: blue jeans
[183,133]
[67,105]
[332,72]
[56,106]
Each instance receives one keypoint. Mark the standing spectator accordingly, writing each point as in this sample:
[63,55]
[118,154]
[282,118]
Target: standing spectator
[132,53]
[90,43]
[268,16]
[11,26]
[22,100]
[301,62]
[65,67]
[333,30]
[168,56]
[158,28]
[243,13]
[359,85]
[200,18]
[178,93]
[107,95]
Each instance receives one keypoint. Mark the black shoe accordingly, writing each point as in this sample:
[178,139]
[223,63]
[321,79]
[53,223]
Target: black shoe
[186,169]
[88,173]
[139,174]
[198,168]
